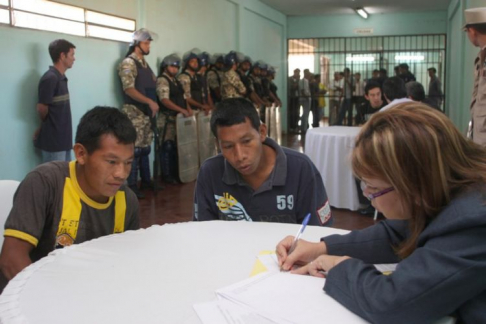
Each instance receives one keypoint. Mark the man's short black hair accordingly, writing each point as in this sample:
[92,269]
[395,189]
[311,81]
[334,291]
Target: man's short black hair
[59,46]
[433,69]
[394,88]
[297,70]
[103,121]
[234,111]
[370,85]
[415,90]
[403,66]
[383,71]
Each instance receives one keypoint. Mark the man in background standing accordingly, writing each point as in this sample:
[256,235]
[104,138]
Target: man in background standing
[476,32]
[293,86]
[305,101]
[435,92]
[55,135]
[335,96]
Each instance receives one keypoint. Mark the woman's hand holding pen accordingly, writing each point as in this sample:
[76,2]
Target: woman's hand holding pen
[303,253]
[323,263]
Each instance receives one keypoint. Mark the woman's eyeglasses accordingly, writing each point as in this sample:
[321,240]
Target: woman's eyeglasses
[376,194]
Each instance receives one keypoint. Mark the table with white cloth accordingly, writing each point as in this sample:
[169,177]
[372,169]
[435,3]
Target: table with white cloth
[152,275]
[330,149]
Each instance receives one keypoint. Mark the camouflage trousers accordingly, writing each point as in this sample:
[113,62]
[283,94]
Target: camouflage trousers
[170,132]
[141,122]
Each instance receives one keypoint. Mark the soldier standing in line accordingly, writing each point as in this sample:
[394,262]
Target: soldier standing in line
[214,75]
[190,82]
[259,94]
[201,74]
[172,101]
[231,85]
[140,105]
[272,87]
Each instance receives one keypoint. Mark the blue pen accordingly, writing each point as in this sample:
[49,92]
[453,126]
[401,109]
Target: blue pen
[299,233]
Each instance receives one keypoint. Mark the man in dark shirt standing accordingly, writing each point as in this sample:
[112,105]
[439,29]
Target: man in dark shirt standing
[373,103]
[55,135]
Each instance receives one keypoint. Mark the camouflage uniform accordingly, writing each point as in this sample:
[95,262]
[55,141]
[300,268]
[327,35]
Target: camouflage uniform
[127,70]
[213,81]
[185,80]
[163,92]
[231,85]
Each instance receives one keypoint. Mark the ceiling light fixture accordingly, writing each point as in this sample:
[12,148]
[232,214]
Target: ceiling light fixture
[362,12]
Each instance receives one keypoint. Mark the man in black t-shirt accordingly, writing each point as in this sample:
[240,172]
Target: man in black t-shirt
[55,135]
[373,103]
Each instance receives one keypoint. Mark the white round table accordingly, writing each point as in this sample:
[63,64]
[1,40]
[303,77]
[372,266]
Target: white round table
[152,275]
[330,149]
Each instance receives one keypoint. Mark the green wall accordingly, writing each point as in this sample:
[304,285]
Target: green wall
[211,25]
[413,23]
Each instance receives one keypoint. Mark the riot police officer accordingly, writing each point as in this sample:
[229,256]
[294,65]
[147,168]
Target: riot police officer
[172,101]
[201,74]
[190,81]
[140,104]
[231,85]
[272,86]
[214,76]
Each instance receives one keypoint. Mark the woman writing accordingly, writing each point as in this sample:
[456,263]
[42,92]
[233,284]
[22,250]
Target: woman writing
[430,183]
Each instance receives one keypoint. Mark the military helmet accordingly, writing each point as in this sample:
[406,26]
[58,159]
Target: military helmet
[204,58]
[192,54]
[262,65]
[271,70]
[247,59]
[230,59]
[216,58]
[142,35]
[171,60]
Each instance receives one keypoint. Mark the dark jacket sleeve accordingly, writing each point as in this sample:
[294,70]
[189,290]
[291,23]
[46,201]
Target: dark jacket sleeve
[372,245]
[444,275]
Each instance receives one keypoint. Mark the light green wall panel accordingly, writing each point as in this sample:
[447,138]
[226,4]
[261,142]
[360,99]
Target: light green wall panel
[382,24]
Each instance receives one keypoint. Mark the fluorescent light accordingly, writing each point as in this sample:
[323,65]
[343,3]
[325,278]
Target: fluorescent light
[360,59]
[409,58]
[362,12]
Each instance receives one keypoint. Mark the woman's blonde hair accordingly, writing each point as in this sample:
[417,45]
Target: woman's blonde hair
[423,156]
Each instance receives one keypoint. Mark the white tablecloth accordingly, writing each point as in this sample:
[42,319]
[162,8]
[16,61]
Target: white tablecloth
[330,150]
[146,276]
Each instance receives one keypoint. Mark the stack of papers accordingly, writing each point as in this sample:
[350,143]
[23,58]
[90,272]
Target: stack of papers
[274,297]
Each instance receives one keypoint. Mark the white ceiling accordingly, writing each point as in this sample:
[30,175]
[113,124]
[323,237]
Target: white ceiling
[323,7]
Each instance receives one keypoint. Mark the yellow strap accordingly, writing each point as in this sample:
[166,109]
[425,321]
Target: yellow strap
[71,211]
[120,211]
[21,235]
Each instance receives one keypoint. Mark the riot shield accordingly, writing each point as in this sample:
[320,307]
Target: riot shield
[187,150]
[206,139]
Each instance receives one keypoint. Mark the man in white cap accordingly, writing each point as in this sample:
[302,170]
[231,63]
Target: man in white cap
[476,31]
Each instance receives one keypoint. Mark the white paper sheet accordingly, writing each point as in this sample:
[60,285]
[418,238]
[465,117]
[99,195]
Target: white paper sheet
[224,311]
[285,297]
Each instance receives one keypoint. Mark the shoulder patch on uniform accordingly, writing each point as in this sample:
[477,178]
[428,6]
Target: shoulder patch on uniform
[324,213]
